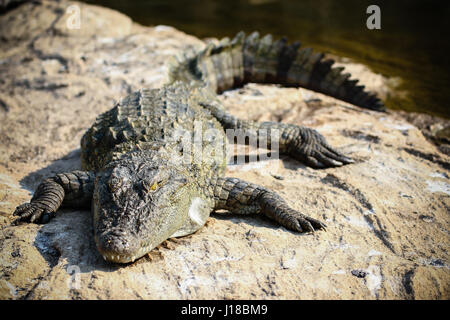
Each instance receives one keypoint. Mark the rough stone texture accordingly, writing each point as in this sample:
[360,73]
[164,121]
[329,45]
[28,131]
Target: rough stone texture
[387,215]
[435,129]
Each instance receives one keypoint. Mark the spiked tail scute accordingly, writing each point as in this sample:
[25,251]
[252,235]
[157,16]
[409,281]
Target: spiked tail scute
[231,64]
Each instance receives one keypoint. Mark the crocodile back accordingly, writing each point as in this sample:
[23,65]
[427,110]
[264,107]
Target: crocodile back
[166,121]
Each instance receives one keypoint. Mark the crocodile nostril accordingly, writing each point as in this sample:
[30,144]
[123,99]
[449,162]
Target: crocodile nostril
[115,242]
[117,233]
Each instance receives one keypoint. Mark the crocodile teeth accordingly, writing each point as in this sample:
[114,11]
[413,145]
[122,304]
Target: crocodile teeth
[125,258]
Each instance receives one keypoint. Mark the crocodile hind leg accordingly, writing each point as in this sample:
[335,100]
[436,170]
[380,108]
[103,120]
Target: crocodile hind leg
[72,189]
[238,196]
[302,143]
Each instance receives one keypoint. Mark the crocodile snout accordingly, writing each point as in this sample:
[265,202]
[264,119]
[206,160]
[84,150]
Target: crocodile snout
[117,246]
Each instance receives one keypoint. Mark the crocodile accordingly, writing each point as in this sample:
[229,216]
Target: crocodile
[153,166]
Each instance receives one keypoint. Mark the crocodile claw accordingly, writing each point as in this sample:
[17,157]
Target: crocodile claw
[30,212]
[308,224]
[312,149]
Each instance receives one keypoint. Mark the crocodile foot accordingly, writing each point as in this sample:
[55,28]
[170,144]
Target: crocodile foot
[311,148]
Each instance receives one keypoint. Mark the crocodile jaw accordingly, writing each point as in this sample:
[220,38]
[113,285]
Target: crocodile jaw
[125,258]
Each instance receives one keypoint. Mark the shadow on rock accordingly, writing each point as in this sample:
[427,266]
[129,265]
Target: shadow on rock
[69,162]
[69,236]
[69,239]
[256,221]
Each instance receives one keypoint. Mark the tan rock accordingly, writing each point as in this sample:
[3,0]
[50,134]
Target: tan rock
[387,214]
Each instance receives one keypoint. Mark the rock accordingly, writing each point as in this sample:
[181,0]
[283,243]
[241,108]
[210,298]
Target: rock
[387,214]
[435,129]
[6,5]
[359,273]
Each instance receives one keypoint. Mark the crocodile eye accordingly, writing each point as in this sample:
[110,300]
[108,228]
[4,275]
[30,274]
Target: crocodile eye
[153,185]
[150,186]
[114,184]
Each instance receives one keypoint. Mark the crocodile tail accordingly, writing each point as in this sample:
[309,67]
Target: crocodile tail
[220,66]
[233,63]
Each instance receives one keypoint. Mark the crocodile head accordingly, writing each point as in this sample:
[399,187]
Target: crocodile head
[137,205]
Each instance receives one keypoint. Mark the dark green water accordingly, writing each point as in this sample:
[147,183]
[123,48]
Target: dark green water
[413,42]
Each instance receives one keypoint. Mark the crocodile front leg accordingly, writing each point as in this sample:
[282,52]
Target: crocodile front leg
[238,196]
[72,189]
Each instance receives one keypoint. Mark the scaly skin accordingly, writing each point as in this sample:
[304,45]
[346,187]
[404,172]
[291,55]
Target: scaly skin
[153,166]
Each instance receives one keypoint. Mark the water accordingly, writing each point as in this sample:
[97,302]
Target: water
[413,42]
